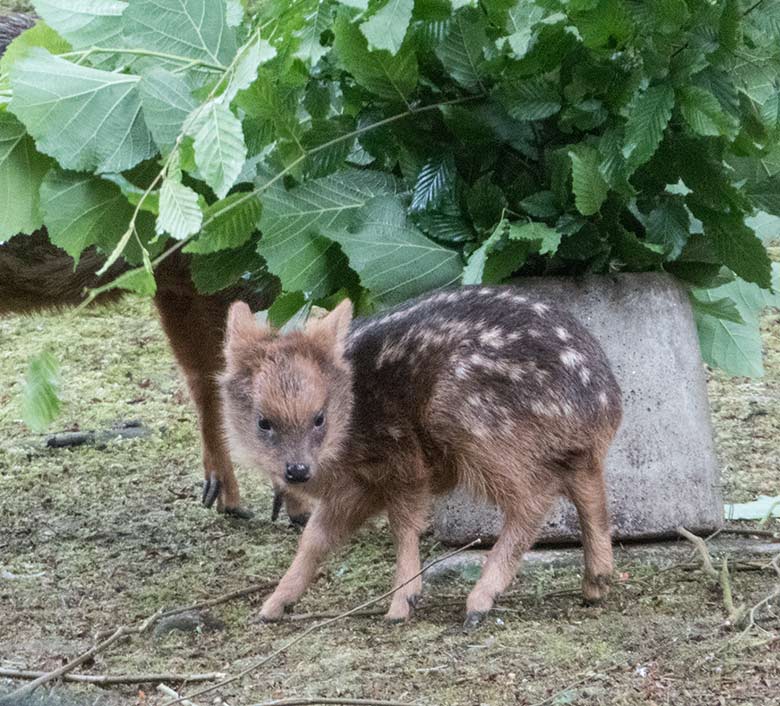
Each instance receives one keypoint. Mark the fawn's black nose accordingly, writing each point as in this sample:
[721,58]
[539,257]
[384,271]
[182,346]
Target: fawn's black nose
[297,473]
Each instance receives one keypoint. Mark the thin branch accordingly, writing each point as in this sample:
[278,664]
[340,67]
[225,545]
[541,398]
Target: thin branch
[107,679]
[318,700]
[287,645]
[119,633]
[163,689]
[735,613]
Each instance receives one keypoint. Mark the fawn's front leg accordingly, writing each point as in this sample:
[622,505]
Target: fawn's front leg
[330,524]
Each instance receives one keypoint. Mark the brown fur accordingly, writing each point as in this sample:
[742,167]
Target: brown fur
[478,387]
[36,275]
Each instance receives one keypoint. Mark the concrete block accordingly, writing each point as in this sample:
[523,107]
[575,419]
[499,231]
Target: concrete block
[662,471]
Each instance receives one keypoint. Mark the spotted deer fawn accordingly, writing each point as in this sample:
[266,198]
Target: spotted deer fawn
[480,387]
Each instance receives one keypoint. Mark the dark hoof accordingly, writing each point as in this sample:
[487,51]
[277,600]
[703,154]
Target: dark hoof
[240,513]
[210,491]
[414,600]
[473,620]
[299,521]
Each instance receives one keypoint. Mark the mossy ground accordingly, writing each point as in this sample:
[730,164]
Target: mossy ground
[93,538]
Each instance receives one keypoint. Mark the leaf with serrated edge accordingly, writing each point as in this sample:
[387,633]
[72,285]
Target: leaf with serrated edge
[22,170]
[227,224]
[395,261]
[192,28]
[219,146]
[86,119]
[590,189]
[167,101]
[180,216]
[386,28]
[82,210]
[392,77]
[432,181]
[293,220]
[310,48]
[548,238]
[462,51]
[649,116]
[84,23]
[40,395]
[256,53]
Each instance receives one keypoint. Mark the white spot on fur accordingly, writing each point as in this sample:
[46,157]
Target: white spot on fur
[492,337]
[519,299]
[562,333]
[585,375]
[571,358]
[514,336]
[603,399]
[540,308]
[394,432]
[533,333]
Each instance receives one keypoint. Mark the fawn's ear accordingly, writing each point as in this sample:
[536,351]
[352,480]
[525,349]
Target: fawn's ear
[242,327]
[331,331]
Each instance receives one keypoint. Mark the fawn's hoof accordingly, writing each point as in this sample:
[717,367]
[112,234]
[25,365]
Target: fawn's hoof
[595,588]
[474,619]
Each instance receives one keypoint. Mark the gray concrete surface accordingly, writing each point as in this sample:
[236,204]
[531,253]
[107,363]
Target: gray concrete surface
[661,471]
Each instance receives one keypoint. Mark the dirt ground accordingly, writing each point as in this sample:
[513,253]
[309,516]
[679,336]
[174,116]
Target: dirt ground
[95,537]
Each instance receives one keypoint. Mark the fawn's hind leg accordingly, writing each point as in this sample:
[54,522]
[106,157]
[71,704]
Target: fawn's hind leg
[587,490]
[407,516]
[523,516]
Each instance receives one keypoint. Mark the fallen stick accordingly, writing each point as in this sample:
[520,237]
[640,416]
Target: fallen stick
[170,692]
[735,613]
[326,701]
[46,677]
[287,645]
[107,679]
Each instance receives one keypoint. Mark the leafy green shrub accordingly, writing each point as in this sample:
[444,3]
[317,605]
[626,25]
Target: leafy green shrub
[388,147]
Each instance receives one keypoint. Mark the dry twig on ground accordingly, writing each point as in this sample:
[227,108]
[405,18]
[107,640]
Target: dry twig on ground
[735,613]
[287,645]
[109,679]
[121,632]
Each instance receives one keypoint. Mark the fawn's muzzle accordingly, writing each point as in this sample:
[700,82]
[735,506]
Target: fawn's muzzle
[297,473]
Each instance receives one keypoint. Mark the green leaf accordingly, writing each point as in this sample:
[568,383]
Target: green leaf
[86,119]
[228,223]
[765,194]
[590,189]
[180,216]
[250,57]
[289,307]
[738,247]
[392,77]
[649,116]
[193,28]
[167,101]
[22,170]
[723,308]
[704,114]
[386,28]
[544,239]
[485,202]
[394,260]
[330,158]
[734,347]
[219,146]
[293,221]
[607,24]
[82,210]
[463,51]
[40,396]
[534,99]
[40,35]
[434,179]
[84,23]
[669,225]
[140,281]
[310,47]
[217,271]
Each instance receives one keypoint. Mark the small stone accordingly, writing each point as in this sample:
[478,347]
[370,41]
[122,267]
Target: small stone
[187,622]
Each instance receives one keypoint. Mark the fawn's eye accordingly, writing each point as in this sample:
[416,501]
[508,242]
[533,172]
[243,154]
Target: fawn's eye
[319,420]
[264,424]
